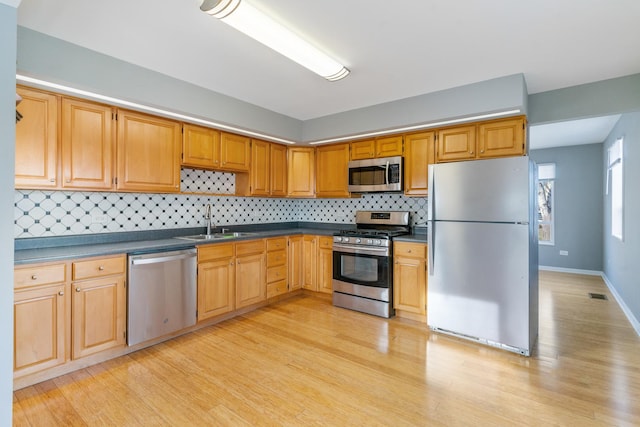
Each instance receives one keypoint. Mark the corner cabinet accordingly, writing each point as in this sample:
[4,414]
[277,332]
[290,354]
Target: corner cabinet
[148,153]
[332,171]
[301,171]
[410,280]
[419,154]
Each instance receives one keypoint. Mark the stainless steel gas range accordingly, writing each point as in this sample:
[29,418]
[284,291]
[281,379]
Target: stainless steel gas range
[363,262]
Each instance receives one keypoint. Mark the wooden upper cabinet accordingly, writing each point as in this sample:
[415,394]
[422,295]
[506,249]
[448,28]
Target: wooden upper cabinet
[301,171]
[88,145]
[387,146]
[456,143]
[332,170]
[502,138]
[278,170]
[200,147]
[363,149]
[148,153]
[260,168]
[37,140]
[235,152]
[419,154]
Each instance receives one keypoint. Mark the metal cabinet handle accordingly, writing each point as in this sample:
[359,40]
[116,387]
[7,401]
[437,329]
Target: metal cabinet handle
[34,277]
[78,290]
[101,268]
[61,293]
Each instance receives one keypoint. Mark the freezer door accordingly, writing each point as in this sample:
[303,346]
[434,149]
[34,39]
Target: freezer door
[495,190]
[479,281]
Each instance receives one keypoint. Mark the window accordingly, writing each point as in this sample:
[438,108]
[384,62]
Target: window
[615,187]
[546,177]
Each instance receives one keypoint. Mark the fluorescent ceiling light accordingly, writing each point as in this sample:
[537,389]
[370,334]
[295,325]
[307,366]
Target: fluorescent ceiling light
[247,19]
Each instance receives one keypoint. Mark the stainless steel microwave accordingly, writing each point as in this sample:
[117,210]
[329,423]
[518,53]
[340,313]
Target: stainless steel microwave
[383,174]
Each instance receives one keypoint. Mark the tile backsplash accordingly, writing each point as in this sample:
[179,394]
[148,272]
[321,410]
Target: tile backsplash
[62,213]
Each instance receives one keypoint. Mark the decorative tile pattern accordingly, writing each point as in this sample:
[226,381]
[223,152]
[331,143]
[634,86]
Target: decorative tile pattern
[59,213]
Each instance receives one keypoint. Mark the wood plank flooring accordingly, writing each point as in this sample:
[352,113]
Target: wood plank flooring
[305,362]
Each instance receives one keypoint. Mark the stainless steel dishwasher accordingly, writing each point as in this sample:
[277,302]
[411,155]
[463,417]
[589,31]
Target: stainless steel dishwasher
[162,294]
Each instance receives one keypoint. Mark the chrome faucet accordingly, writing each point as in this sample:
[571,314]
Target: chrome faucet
[207,216]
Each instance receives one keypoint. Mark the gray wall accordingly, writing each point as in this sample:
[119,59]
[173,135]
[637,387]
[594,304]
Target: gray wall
[602,98]
[622,258]
[578,206]
[8,21]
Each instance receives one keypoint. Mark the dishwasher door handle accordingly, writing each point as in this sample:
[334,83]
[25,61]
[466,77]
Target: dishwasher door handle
[155,260]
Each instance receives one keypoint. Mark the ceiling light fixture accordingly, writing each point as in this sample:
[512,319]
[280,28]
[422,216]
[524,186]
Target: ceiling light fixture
[247,19]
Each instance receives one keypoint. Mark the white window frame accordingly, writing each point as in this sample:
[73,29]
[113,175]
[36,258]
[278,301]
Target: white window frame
[547,173]
[615,187]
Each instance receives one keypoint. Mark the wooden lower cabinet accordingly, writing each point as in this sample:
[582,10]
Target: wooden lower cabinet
[295,262]
[410,280]
[309,262]
[216,280]
[277,276]
[250,273]
[325,264]
[40,328]
[317,262]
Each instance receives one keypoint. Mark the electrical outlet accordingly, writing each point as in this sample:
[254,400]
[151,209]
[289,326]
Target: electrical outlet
[98,219]
[564,253]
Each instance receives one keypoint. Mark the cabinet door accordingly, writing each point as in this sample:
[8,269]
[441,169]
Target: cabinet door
[501,138]
[39,329]
[99,315]
[216,286]
[260,168]
[37,140]
[295,262]
[332,171]
[309,263]
[235,152]
[278,170]
[88,146]
[457,143]
[325,270]
[200,147]
[363,149]
[301,171]
[389,146]
[409,284]
[251,285]
[419,154]
[148,153]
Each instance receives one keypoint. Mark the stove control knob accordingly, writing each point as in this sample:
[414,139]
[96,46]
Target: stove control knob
[345,239]
[377,242]
[337,239]
[358,241]
[369,242]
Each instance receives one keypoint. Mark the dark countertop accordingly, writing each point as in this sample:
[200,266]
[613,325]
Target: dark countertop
[46,249]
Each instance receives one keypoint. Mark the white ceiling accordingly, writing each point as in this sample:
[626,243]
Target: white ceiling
[572,132]
[394,49]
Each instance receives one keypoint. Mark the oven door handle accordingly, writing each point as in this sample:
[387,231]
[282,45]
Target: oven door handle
[360,250]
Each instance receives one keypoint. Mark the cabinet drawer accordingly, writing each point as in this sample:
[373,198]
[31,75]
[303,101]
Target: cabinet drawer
[415,250]
[97,267]
[276,244]
[209,252]
[276,273]
[42,274]
[325,242]
[276,258]
[276,288]
[251,247]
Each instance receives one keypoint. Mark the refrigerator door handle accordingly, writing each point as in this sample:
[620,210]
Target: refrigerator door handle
[432,194]
[430,248]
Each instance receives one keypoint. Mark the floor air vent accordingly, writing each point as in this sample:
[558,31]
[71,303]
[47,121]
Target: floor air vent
[597,296]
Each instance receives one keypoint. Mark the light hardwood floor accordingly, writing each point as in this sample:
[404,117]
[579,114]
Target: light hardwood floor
[305,362]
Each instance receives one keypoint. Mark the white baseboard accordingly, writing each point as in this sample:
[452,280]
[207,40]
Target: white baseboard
[625,309]
[570,270]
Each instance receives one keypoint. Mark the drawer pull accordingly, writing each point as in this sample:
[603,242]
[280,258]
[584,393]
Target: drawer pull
[101,268]
[78,290]
[34,277]
[61,293]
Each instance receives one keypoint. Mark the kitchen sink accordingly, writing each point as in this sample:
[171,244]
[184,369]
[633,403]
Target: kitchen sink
[215,236]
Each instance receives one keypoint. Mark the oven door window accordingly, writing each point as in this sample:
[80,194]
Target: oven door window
[369,270]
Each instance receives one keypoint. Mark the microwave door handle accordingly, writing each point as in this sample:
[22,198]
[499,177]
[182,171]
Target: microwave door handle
[386,173]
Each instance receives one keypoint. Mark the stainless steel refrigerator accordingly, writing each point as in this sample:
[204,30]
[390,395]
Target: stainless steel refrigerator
[483,252]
